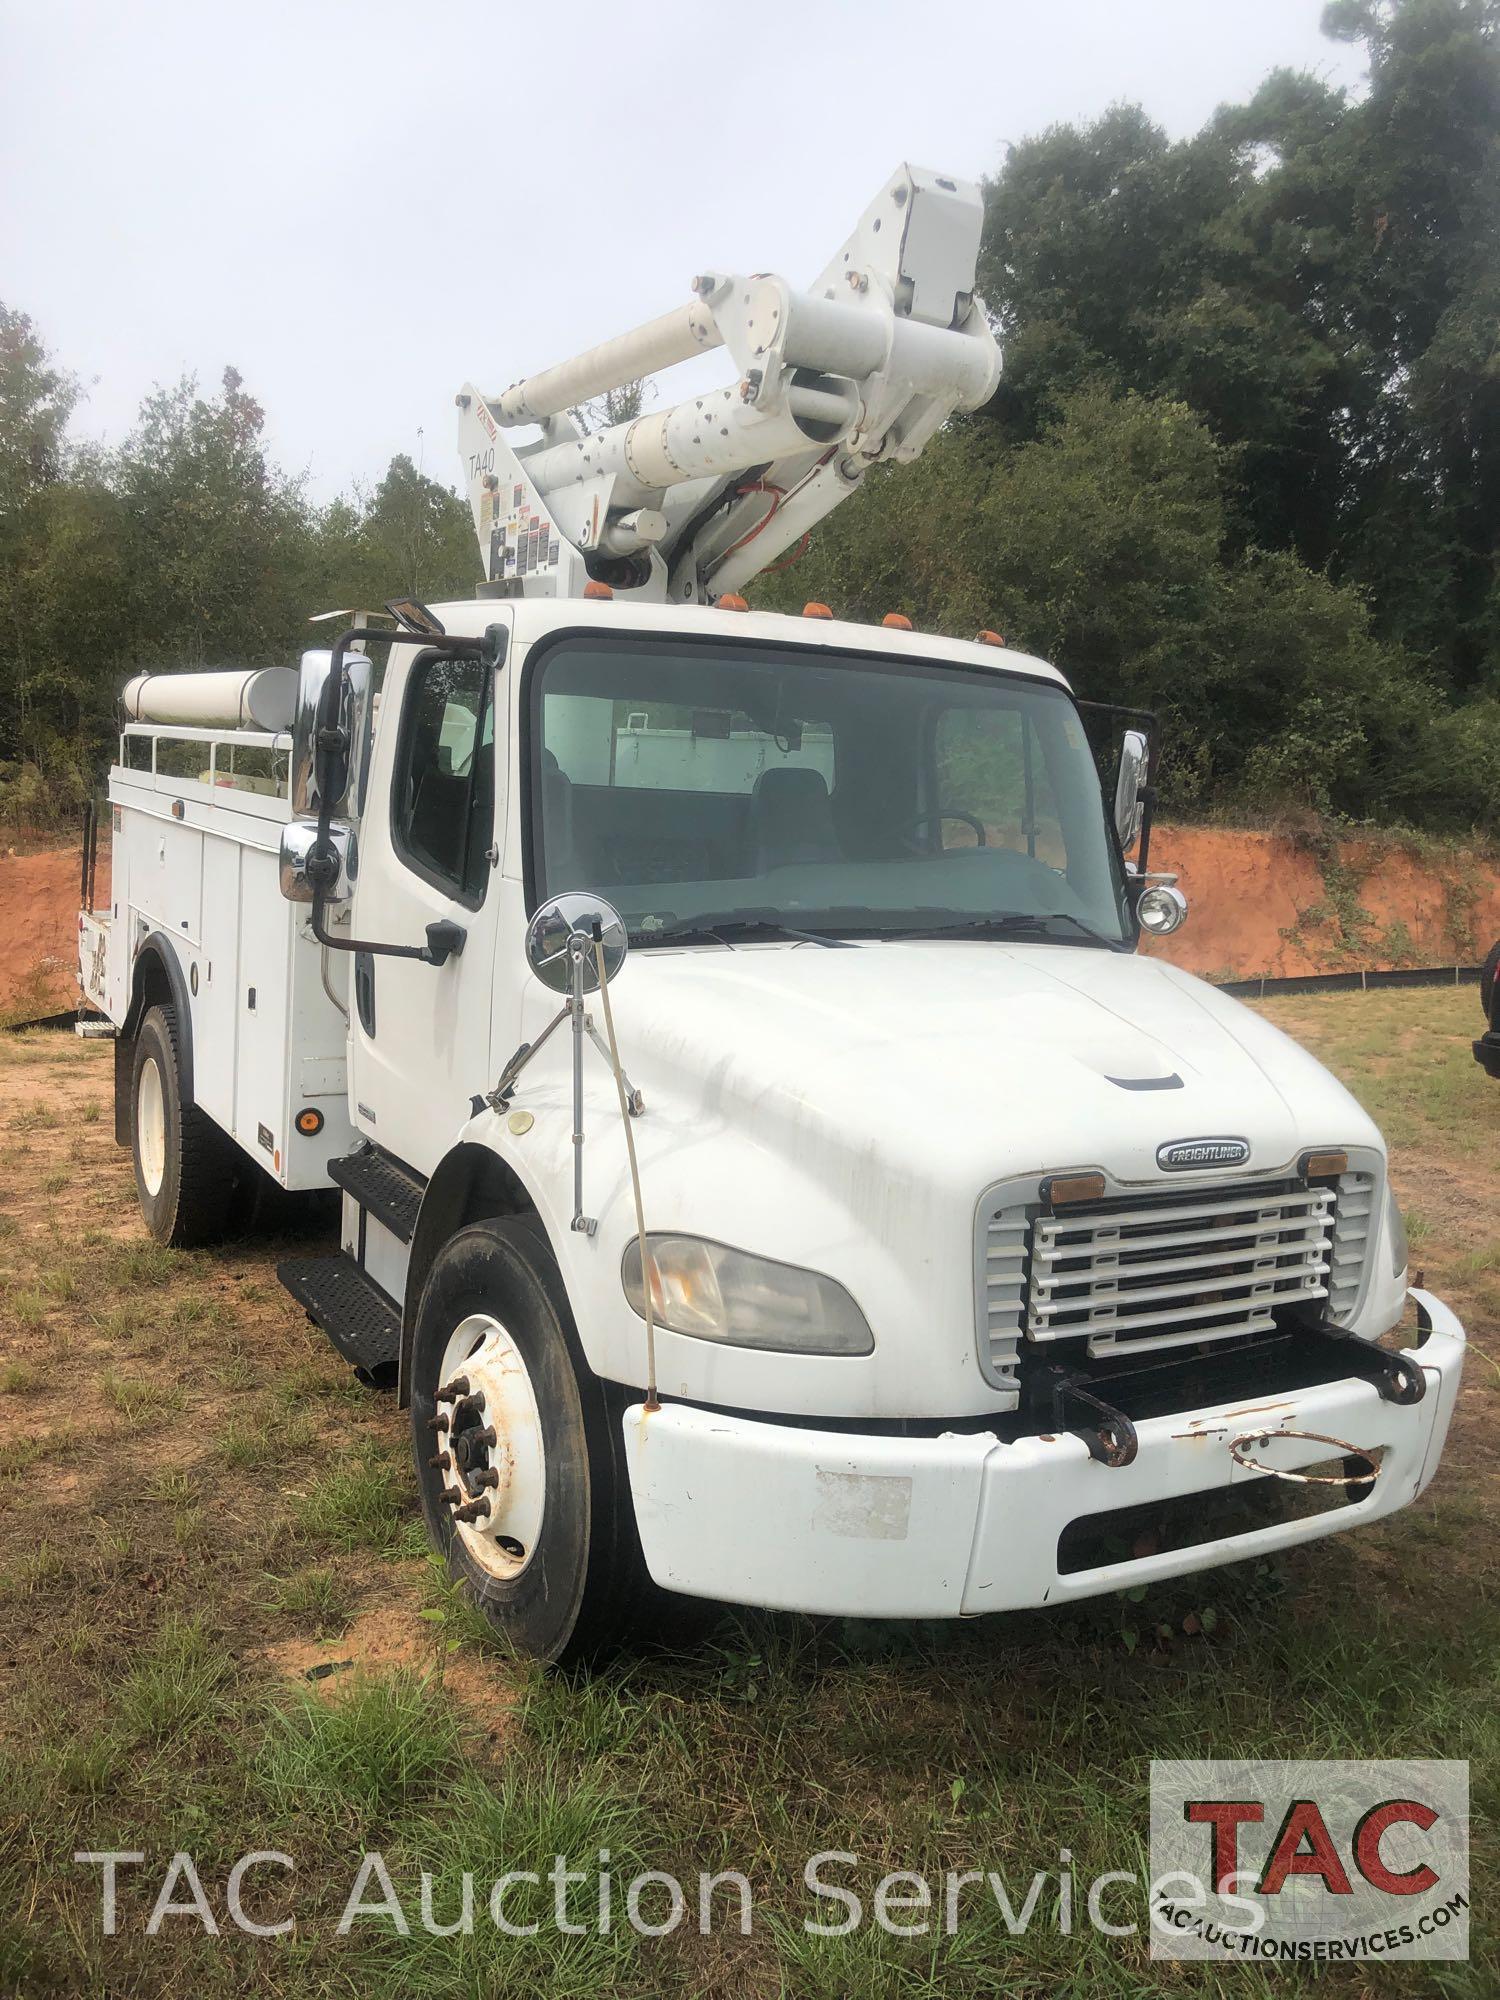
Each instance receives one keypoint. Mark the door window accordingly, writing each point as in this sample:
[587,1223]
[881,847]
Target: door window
[443,804]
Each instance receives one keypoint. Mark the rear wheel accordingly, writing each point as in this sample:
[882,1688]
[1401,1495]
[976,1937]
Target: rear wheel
[184,1165]
[519,1451]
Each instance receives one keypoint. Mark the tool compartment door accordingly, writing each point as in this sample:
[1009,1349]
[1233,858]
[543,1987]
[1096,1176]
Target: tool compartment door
[263,1009]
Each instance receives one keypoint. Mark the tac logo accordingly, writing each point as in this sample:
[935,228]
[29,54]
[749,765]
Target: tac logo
[1184,1153]
[1310,1862]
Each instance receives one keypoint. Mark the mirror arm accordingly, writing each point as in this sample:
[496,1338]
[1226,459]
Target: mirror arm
[1148,804]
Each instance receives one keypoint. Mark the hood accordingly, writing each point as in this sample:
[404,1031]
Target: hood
[989,1058]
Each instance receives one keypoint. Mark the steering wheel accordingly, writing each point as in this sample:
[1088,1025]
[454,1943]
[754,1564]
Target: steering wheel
[981,838]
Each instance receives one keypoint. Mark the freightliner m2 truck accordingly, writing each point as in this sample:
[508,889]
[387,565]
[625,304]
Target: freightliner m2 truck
[770,1171]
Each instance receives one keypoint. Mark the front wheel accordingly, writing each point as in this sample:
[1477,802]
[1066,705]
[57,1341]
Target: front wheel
[520,1457]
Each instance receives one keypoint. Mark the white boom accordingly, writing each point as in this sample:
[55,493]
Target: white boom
[692,501]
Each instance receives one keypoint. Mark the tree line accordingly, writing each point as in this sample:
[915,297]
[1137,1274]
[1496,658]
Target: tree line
[1243,466]
[183,547]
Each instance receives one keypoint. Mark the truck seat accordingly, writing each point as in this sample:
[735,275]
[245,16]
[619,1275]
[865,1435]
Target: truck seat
[791,818]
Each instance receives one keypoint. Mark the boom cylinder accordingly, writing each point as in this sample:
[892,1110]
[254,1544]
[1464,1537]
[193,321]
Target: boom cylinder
[660,343]
[705,437]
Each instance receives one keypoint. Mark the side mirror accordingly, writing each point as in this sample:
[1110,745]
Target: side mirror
[298,837]
[310,772]
[548,951]
[1135,756]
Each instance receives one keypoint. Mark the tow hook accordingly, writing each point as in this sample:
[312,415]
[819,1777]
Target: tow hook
[1396,1378]
[1111,1438]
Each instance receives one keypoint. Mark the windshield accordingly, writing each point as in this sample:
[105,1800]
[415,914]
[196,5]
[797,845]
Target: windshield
[707,785]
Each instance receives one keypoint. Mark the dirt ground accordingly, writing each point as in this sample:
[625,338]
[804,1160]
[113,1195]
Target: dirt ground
[39,931]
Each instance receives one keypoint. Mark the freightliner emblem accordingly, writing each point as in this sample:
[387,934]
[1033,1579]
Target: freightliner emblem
[1183,1153]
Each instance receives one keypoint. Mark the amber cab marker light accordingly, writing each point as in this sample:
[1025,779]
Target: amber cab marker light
[1324,1166]
[730,602]
[897,620]
[309,1122]
[816,611]
[1064,1188]
[988,638]
[592,589]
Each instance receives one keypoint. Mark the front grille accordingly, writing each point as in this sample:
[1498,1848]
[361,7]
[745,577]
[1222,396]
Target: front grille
[1156,1271]
[1351,1240]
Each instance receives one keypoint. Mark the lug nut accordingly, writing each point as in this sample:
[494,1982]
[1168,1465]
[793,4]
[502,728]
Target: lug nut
[439,1422]
[475,1510]
[453,1495]
[459,1386]
[487,1480]
[442,1462]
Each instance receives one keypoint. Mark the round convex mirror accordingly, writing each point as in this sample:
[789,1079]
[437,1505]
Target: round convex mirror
[548,932]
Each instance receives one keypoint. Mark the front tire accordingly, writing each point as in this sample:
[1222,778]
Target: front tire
[184,1165]
[521,1464]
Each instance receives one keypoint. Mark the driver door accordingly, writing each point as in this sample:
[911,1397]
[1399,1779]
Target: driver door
[420,1034]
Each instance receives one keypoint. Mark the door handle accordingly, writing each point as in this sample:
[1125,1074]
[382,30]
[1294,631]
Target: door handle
[364,991]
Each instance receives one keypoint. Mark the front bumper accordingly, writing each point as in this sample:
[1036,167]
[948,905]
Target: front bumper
[759,1512]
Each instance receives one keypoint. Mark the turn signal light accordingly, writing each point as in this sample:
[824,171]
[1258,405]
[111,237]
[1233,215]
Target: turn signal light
[1324,1166]
[730,602]
[898,620]
[816,611]
[592,589]
[1074,1187]
[988,638]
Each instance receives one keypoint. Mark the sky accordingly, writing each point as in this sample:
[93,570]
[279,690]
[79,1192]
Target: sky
[362,204]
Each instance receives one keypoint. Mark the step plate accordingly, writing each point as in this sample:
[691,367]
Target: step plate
[355,1314]
[381,1188]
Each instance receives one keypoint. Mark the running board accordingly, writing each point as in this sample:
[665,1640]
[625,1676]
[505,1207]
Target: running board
[382,1187]
[363,1324]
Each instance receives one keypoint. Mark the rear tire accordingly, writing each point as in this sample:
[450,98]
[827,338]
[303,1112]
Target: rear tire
[184,1164]
[555,1564]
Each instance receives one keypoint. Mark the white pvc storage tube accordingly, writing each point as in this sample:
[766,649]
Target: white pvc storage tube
[243,698]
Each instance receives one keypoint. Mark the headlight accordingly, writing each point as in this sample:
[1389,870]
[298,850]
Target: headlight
[1396,1226]
[1161,909]
[715,1293]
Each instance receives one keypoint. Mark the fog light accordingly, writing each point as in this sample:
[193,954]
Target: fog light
[1161,909]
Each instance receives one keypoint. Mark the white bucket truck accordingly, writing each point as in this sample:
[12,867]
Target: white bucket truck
[968,1234]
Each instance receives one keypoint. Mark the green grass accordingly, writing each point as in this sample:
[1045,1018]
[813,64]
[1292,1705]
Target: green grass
[362,1502]
[138,1398]
[316,1597]
[176,1686]
[375,1747]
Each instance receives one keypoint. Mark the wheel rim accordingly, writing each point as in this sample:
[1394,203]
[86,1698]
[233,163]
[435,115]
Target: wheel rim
[151,1126]
[490,1450]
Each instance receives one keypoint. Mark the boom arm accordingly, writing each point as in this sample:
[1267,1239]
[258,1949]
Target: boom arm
[694,500]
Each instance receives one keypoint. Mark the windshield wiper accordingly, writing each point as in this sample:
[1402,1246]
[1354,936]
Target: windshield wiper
[1019,924]
[736,924]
